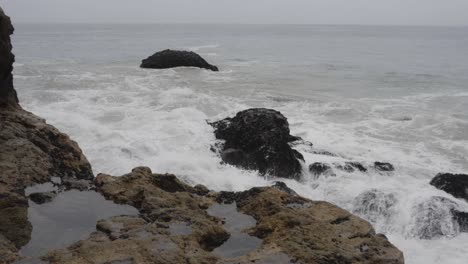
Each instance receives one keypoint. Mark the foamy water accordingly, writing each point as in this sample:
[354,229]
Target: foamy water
[366,94]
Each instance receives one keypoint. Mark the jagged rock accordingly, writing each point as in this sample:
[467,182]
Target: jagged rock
[8,97]
[257,139]
[454,184]
[351,166]
[308,232]
[41,198]
[319,168]
[383,166]
[176,58]
[31,151]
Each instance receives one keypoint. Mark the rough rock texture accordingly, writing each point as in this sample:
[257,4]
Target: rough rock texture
[351,166]
[454,184]
[176,58]
[383,166]
[312,232]
[8,252]
[8,96]
[318,169]
[31,152]
[293,229]
[257,139]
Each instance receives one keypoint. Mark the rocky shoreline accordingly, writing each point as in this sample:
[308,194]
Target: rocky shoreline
[145,217]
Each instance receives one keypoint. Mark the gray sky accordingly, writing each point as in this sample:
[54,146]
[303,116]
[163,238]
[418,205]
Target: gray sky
[394,12]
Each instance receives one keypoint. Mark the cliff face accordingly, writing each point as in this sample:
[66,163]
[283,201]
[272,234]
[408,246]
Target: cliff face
[8,96]
[31,152]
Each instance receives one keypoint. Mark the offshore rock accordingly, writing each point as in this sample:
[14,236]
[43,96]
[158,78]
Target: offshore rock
[174,226]
[257,139]
[176,58]
[454,184]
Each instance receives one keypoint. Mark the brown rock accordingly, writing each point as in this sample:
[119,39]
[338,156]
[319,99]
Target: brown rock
[174,228]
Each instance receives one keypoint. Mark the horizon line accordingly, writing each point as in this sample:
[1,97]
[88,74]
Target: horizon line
[233,24]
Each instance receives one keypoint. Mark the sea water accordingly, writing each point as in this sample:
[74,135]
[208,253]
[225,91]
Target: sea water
[364,93]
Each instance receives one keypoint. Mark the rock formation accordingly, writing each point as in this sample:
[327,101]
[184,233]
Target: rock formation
[8,96]
[31,151]
[175,226]
[258,139]
[176,58]
[454,184]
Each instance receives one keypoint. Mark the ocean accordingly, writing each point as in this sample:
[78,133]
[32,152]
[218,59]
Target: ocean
[365,93]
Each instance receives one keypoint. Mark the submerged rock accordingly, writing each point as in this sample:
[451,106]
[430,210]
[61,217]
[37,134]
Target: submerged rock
[318,169]
[44,197]
[351,166]
[454,184]
[374,205]
[176,58]
[383,166]
[435,218]
[257,139]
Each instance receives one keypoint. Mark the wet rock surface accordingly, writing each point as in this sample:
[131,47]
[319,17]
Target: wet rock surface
[454,184]
[257,139]
[176,58]
[317,232]
[31,152]
[383,166]
[317,169]
[255,226]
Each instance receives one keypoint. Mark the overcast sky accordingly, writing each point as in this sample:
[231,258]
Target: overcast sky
[399,12]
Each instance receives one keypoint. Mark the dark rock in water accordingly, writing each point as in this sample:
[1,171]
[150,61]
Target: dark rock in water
[41,198]
[257,139]
[176,58]
[351,167]
[319,168]
[8,97]
[462,219]
[383,166]
[454,184]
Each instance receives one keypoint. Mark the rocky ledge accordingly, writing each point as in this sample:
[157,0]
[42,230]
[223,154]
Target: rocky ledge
[179,223]
[176,58]
[31,152]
